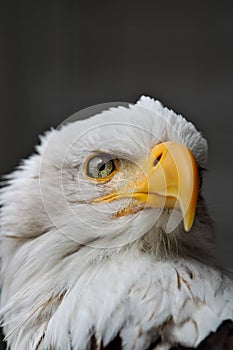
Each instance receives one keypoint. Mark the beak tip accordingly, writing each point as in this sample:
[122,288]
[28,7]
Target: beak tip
[188,224]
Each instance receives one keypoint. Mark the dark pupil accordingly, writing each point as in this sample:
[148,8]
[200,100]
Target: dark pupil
[101,166]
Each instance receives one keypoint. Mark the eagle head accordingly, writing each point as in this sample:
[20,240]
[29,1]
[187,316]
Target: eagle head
[82,216]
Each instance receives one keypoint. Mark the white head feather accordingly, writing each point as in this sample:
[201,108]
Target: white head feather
[71,271]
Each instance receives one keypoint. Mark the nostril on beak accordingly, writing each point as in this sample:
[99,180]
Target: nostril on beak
[157,159]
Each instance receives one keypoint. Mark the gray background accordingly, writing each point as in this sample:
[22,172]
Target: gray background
[58,57]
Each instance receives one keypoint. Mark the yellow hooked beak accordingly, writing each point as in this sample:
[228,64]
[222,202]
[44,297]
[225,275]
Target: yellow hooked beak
[170,180]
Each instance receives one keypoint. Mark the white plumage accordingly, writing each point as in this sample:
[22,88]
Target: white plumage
[77,273]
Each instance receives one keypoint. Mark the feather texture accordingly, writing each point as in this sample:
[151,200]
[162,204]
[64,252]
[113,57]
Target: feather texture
[74,276]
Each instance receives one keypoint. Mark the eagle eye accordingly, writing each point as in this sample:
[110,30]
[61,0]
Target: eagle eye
[100,166]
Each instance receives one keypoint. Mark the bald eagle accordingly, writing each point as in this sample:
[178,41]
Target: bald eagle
[105,235]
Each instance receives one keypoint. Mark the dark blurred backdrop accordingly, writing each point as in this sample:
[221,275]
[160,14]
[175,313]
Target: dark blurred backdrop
[58,57]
